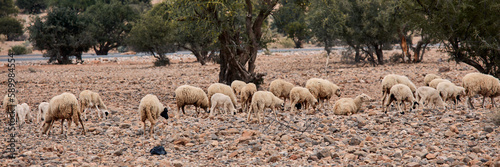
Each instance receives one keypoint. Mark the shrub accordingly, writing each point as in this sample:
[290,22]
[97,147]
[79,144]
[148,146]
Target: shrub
[162,62]
[19,50]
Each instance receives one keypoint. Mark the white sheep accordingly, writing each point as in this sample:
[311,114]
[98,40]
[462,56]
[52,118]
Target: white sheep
[483,84]
[43,107]
[246,96]
[391,80]
[322,90]
[236,85]
[302,95]
[449,91]
[262,100]
[221,100]
[281,88]
[9,103]
[435,82]
[429,77]
[22,113]
[190,95]
[348,106]
[63,106]
[89,99]
[401,94]
[427,95]
[150,108]
[221,88]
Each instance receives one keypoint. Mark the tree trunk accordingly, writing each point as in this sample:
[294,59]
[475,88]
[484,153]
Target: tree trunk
[357,55]
[200,57]
[298,43]
[379,53]
[102,50]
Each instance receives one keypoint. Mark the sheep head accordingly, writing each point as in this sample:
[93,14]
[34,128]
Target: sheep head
[164,114]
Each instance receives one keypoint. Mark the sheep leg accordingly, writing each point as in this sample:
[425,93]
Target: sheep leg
[493,102]
[249,112]
[469,102]
[144,127]
[482,105]
[62,126]
[292,105]
[212,109]
[98,112]
[152,128]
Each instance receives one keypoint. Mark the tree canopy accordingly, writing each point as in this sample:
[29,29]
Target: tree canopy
[32,6]
[11,27]
[7,8]
[290,20]
[62,34]
[108,24]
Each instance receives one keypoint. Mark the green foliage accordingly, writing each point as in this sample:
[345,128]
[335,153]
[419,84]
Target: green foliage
[19,50]
[7,8]
[32,6]
[79,5]
[289,19]
[109,24]
[325,20]
[152,34]
[11,27]
[467,29]
[62,33]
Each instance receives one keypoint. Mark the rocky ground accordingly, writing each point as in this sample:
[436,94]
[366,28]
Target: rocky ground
[311,138]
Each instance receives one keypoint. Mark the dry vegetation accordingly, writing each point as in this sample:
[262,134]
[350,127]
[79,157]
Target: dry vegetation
[422,137]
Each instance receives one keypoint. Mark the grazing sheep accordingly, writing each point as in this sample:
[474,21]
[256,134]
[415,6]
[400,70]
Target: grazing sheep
[449,91]
[89,99]
[221,100]
[43,107]
[22,113]
[391,80]
[236,85]
[151,109]
[9,103]
[429,96]
[246,95]
[483,84]
[429,77]
[281,88]
[63,106]
[190,95]
[262,100]
[348,106]
[224,89]
[302,95]
[322,89]
[401,94]
[434,83]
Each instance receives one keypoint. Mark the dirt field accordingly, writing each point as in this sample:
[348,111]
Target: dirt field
[370,138]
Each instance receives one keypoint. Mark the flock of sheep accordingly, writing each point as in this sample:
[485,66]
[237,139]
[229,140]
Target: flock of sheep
[395,88]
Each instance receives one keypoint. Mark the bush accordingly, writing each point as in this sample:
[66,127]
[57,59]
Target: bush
[11,27]
[122,49]
[19,50]
[347,56]
[162,62]
[286,43]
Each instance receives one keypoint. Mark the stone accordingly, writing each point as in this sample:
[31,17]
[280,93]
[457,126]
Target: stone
[360,153]
[177,163]
[214,143]
[233,154]
[488,129]
[413,164]
[273,159]
[294,156]
[286,138]
[476,150]
[181,141]
[189,144]
[328,139]
[125,126]
[231,131]
[243,139]
[119,152]
[248,133]
[313,158]
[354,141]
[449,133]
[324,153]
[444,69]
[430,156]
[454,128]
